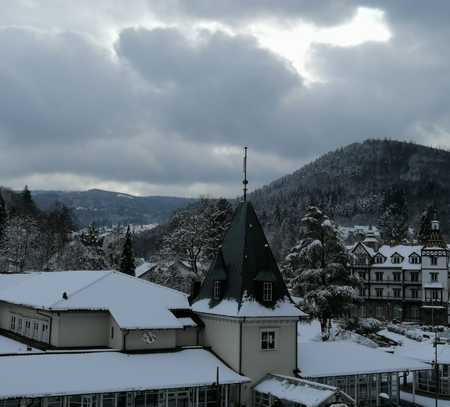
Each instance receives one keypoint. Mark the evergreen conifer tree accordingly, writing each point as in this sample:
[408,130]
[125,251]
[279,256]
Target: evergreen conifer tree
[318,269]
[127,263]
[393,222]
[27,205]
[425,224]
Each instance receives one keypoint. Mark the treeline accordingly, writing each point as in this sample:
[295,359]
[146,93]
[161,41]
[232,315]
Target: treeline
[29,237]
[33,240]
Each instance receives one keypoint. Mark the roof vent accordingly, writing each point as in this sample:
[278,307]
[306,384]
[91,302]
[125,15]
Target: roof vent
[65,296]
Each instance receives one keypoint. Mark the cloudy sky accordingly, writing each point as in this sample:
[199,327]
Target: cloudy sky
[159,96]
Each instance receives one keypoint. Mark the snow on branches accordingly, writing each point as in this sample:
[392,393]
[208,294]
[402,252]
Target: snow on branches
[317,268]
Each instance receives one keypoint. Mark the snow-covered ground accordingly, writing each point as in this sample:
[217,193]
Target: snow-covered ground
[424,401]
[8,346]
[310,332]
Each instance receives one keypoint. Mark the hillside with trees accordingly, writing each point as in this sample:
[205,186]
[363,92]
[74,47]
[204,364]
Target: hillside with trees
[106,208]
[379,182]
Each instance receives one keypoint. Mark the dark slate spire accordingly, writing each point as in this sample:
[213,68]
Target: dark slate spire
[243,263]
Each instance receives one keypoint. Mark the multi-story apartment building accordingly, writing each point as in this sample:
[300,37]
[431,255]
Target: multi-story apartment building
[404,282]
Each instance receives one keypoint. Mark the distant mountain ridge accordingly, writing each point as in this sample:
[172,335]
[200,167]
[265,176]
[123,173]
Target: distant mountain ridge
[107,208]
[349,185]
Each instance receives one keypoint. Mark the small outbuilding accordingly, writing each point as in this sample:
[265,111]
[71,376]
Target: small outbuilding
[281,390]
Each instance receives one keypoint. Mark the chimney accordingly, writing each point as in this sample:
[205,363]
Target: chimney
[195,289]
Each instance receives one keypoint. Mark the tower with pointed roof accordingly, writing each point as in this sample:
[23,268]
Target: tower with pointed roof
[435,276]
[250,319]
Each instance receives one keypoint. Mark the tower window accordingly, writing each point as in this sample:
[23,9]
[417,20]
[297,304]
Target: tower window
[268,339]
[217,290]
[267,291]
[433,260]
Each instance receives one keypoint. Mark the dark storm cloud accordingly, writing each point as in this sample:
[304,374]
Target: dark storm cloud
[221,89]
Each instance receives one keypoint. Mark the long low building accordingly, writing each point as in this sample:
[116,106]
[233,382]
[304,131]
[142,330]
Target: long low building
[361,372]
[57,378]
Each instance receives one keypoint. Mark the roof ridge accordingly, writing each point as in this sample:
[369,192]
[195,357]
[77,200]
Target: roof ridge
[107,273]
[141,280]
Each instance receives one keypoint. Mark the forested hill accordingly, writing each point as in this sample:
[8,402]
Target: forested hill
[349,185]
[110,208]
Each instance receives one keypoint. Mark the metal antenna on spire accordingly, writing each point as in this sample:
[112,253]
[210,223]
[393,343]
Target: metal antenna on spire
[245,181]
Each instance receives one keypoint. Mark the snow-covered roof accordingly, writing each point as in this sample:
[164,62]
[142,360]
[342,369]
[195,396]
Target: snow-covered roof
[321,359]
[424,351]
[404,251]
[143,268]
[8,346]
[300,391]
[107,372]
[248,308]
[132,302]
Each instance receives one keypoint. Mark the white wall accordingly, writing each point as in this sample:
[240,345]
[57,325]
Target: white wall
[164,339]
[256,363]
[222,335]
[82,329]
[186,336]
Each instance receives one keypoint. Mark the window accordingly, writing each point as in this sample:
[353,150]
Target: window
[361,260]
[397,292]
[19,325]
[435,295]
[414,293]
[379,276]
[268,339]
[217,290]
[414,259]
[433,260]
[378,292]
[379,259]
[415,276]
[267,291]
[396,259]
[434,277]
[397,276]
[13,323]
[112,332]
[361,292]
[35,329]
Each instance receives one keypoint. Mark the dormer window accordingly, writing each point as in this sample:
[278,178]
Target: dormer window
[379,259]
[217,289]
[396,259]
[414,259]
[267,291]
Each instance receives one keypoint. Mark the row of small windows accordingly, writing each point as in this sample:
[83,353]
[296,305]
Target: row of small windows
[267,290]
[395,293]
[395,259]
[36,329]
[396,276]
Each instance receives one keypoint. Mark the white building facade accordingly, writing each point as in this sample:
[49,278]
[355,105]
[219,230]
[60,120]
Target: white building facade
[403,282]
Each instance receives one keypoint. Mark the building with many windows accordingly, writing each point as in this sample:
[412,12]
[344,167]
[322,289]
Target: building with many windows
[403,282]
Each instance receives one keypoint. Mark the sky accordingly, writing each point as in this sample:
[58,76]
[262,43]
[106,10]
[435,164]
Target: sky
[160,96]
